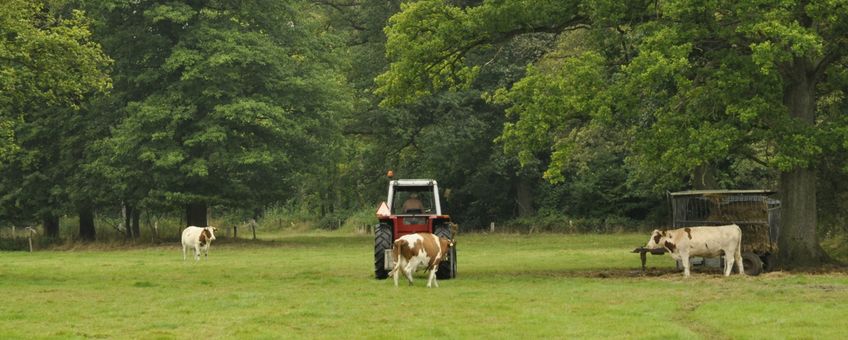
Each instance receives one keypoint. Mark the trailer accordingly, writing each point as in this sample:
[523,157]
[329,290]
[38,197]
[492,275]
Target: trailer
[756,212]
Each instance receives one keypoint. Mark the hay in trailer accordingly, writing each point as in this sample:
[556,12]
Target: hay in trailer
[755,238]
[736,209]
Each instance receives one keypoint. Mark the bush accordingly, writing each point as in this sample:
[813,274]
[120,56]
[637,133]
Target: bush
[555,222]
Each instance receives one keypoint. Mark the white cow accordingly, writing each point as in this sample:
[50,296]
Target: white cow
[199,239]
[424,250]
[705,241]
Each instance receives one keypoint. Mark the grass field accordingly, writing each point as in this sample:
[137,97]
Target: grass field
[321,286]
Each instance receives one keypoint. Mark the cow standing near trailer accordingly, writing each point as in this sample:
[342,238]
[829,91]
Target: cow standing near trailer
[709,241]
[199,239]
[419,250]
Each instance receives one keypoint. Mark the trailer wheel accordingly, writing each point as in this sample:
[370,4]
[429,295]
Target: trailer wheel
[752,263]
[447,268]
[382,242]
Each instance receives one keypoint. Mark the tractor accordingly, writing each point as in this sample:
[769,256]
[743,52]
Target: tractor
[412,206]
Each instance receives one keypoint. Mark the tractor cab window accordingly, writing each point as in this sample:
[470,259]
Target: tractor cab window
[413,201]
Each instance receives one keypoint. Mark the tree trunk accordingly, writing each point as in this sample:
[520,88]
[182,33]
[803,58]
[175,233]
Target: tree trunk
[196,214]
[51,226]
[127,214]
[798,241]
[704,177]
[86,224]
[136,216]
[524,197]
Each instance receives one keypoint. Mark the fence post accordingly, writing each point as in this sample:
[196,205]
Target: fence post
[29,236]
[235,231]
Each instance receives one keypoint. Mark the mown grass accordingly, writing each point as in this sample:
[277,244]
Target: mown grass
[320,285]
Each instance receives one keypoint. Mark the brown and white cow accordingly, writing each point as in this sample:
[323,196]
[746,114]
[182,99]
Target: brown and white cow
[420,250]
[705,241]
[199,239]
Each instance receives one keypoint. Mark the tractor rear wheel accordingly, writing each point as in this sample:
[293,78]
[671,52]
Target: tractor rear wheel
[447,268]
[382,242]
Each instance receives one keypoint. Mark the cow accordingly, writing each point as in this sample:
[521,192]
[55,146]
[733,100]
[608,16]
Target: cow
[419,250]
[199,239]
[706,241]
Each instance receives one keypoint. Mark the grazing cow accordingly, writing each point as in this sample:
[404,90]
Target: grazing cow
[701,241]
[199,239]
[420,250]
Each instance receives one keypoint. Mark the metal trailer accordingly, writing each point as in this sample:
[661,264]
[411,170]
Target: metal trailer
[754,211]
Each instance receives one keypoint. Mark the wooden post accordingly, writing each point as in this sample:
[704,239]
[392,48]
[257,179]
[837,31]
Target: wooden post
[235,231]
[253,227]
[29,236]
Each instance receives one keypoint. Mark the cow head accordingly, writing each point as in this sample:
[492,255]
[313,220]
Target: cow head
[210,232]
[446,244]
[656,239]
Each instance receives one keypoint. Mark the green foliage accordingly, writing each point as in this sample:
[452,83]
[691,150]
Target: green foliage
[428,41]
[230,107]
[548,221]
[49,67]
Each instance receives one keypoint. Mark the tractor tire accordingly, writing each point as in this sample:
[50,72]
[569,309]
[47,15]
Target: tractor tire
[447,268]
[382,242]
[752,264]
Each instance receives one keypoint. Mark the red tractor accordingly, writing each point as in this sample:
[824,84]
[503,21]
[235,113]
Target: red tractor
[412,206]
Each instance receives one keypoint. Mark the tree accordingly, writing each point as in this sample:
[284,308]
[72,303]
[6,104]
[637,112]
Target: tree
[49,67]
[684,85]
[224,101]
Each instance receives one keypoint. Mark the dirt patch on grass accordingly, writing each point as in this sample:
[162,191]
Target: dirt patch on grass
[657,273]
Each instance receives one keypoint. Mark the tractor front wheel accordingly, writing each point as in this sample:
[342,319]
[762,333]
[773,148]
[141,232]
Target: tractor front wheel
[382,242]
[447,268]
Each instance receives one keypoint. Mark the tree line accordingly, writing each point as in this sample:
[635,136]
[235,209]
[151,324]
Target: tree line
[586,109]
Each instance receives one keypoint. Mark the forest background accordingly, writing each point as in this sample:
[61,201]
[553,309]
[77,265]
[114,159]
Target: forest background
[549,115]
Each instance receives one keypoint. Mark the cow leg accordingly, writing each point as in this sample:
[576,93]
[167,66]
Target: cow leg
[685,260]
[728,263]
[739,265]
[396,271]
[185,249]
[410,267]
[432,278]
[197,253]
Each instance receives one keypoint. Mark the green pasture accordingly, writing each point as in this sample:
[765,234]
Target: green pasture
[320,285]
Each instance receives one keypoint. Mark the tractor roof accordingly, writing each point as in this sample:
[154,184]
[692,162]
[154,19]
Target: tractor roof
[414,182]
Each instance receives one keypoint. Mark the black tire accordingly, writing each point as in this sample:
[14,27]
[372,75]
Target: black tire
[447,268]
[752,264]
[382,242]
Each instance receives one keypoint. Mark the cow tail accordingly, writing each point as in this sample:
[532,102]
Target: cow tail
[395,251]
